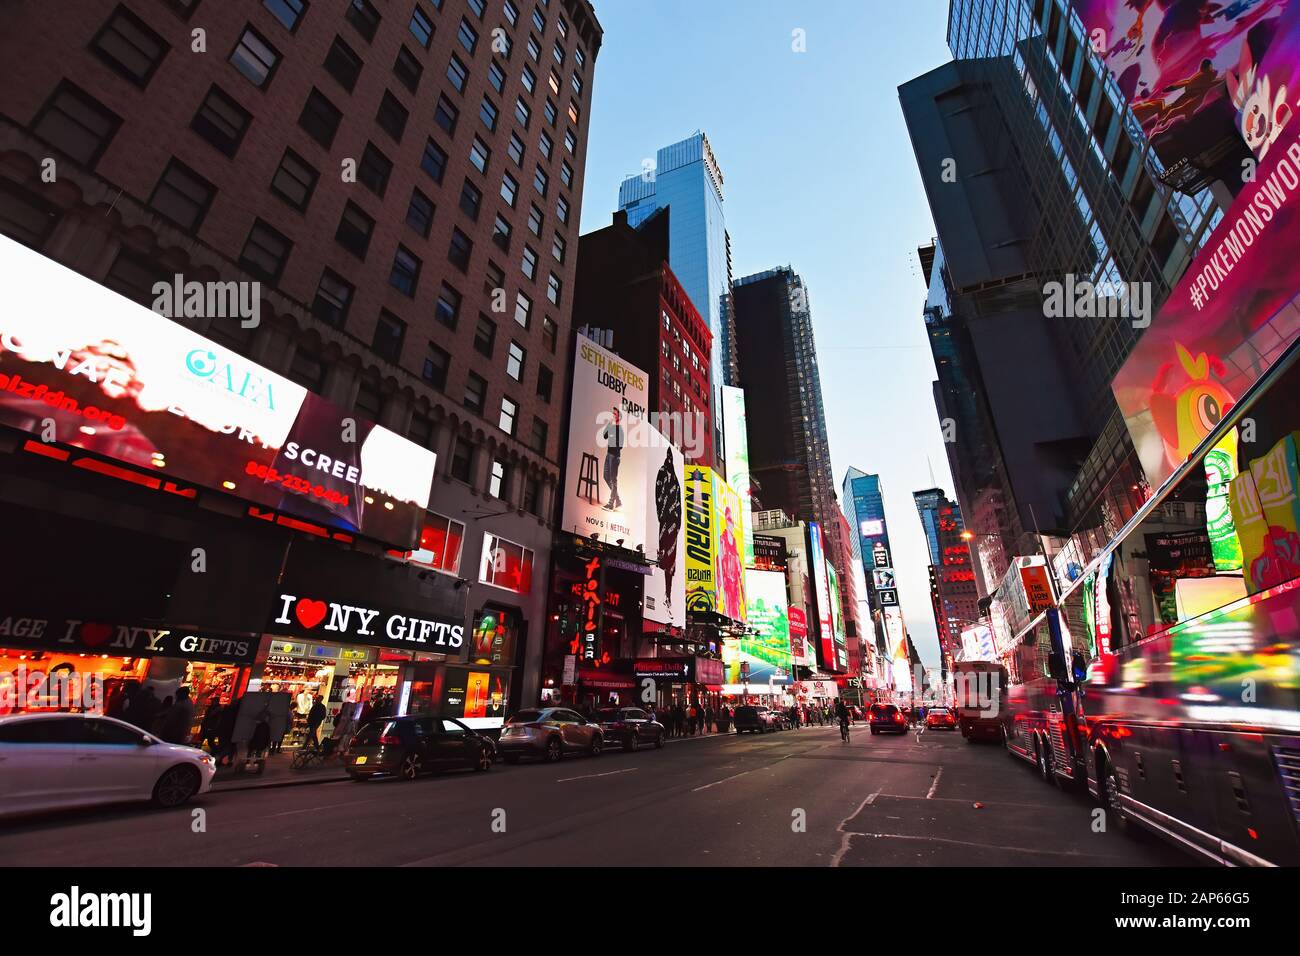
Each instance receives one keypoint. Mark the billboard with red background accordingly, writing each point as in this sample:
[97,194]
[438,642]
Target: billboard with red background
[1228,320]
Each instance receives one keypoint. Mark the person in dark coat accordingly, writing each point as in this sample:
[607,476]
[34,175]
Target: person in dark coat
[121,706]
[174,725]
[226,733]
[315,717]
[144,708]
[208,736]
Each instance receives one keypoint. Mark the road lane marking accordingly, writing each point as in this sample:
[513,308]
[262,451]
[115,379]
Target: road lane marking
[725,779]
[934,786]
[588,776]
[980,846]
[969,800]
[847,835]
[329,806]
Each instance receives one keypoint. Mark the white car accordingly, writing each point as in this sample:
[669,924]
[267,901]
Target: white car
[57,761]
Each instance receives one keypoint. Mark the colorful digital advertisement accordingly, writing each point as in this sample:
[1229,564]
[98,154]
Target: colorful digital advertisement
[698,539]
[735,430]
[728,549]
[1184,67]
[83,366]
[1228,320]
[762,657]
[665,585]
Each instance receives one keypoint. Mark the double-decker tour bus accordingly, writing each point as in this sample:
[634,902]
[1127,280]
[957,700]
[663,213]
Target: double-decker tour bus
[1167,677]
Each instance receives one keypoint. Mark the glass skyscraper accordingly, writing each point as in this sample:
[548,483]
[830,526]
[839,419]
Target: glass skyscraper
[1137,228]
[686,179]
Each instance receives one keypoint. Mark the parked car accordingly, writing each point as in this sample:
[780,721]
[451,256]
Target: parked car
[549,733]
[758,720]
[58,761]
[887,719]
[940,718]
[631,727]
[405,747]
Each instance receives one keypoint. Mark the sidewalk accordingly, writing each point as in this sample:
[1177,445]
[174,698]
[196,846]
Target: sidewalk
[277,773]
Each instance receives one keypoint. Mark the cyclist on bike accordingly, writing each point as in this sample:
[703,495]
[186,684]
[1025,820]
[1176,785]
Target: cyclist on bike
[842,715]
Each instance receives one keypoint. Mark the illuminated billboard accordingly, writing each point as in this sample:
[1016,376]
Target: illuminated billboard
[763,656]
[896,641]
[735,431]
[609,459]
[728,550]
[1176,63]
[977,643]
[697,516]
[822,594]
[665,586]
[1226,323]
[872,527]
[81,365]
[837,620]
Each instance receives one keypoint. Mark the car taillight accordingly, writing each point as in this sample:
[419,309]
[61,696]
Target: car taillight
[353,742]
[898,718]
[390,740]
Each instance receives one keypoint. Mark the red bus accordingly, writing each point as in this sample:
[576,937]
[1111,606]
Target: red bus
[978,688]
[1167,680]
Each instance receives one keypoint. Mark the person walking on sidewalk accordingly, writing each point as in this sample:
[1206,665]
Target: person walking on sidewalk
[174,725]
[315,717]
[208,736]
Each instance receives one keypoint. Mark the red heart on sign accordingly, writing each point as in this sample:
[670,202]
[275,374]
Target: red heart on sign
[92,634]
[309,612]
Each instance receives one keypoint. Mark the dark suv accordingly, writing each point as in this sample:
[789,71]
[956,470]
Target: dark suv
[631,727]
[405,747]
[887,719]
[758,720]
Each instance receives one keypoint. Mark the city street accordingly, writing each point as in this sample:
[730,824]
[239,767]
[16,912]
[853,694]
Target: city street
[722,800]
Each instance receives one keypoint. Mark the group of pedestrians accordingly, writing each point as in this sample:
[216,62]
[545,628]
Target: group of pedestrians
[694,719]
[168,719]
[808,715]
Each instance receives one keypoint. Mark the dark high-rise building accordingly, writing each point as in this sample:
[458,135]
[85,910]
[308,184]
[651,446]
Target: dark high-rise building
[402,179]
[626,287]
[789,457]
[1037,171]
[953,592]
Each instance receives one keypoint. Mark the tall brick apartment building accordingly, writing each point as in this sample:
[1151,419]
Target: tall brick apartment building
[404,177]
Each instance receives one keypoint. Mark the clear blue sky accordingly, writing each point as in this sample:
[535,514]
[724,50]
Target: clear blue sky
[819,175]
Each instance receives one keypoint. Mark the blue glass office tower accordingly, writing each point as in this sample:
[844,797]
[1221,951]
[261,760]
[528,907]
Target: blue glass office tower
[687,180]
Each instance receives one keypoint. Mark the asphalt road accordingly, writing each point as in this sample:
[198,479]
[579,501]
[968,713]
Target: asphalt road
[795,798]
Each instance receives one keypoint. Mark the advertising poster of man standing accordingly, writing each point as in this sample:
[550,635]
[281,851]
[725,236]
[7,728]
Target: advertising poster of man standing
[609,465]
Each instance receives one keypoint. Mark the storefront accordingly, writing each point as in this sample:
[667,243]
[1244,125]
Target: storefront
[478,692]
[50,663]
[679,680]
